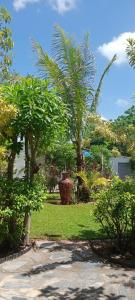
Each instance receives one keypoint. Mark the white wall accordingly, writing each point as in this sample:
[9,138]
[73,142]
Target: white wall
[114,161]
[19,165]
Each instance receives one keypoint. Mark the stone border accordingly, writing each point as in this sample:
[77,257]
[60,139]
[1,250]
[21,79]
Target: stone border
[15,255]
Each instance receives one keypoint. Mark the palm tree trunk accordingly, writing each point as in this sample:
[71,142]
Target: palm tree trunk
[79,164]
[79,160]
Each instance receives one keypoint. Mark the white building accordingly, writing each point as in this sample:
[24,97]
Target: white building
[121,166]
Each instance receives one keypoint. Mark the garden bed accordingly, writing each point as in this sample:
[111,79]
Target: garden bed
[106,250]
[6,255]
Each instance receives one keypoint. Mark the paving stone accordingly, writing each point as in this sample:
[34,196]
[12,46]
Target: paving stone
[61,256]
[13,266]
[18,298]
[60,271]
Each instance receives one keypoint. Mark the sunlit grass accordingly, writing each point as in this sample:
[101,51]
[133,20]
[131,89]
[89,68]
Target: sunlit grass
[65,222]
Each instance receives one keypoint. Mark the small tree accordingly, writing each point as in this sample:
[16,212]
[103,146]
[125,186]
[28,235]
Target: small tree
[6,44]
[40,115]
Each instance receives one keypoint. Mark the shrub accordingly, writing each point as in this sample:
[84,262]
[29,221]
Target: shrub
[115,210]
[17,198]
[91,181]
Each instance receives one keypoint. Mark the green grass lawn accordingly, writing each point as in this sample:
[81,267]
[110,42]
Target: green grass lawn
[65,222]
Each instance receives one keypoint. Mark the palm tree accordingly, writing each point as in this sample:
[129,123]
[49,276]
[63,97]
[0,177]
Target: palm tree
[131,52]
[72,71]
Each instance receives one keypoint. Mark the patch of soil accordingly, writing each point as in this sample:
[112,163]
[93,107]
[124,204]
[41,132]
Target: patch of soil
[8,254]
[54,202]
[107,250]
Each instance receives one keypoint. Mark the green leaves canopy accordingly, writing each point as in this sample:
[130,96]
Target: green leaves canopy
[40,110]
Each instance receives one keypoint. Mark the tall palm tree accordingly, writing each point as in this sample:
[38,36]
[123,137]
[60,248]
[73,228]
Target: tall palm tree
[72,71]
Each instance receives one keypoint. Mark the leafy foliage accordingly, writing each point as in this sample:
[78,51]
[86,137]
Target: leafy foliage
[17,198]
[8,113]
[6,44]
[62,155]
[39,117]
[38,107]
[124,128]
[115,211]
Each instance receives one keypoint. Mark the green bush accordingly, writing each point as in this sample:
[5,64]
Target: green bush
[17,198]
[115,210]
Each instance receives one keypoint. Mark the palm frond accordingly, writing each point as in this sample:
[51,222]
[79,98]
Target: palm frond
[71,70]
[95,101]
[61,46]
[130,50]
[89,61]
[48,67]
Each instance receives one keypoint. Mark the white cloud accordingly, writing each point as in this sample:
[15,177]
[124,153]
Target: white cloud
[20,4]
[61,6]
[122,103]
[104,118]
[117,46]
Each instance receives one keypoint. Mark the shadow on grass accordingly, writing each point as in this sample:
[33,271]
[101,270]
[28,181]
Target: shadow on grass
[88,234]
[90,293]
[84,234]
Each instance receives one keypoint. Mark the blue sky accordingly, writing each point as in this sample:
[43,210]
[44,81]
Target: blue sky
[109,22]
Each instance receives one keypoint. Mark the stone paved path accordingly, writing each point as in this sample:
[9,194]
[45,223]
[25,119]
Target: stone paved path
[64,271]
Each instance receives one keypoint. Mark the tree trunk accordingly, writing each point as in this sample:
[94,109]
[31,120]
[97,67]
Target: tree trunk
[32,157]
[26,225]
[27,159]
[79,161]
[79,164]
[29,171]
[11,160]
[10,174]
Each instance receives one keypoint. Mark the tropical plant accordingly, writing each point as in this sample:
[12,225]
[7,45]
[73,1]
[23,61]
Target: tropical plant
[72,71]
[40,115]
[91,181]
[131,52]
[115,211]
[18,199]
